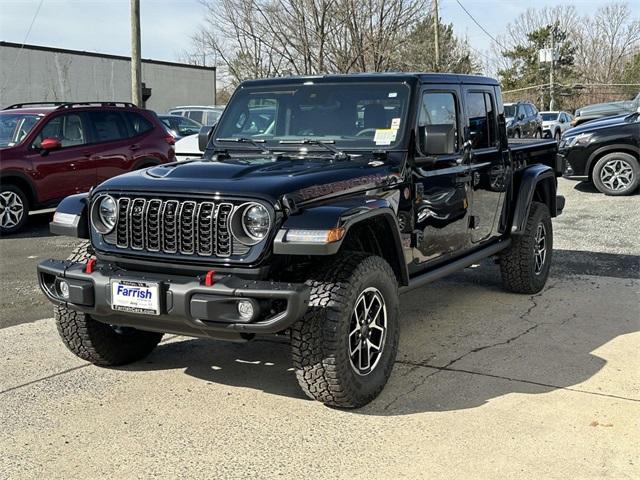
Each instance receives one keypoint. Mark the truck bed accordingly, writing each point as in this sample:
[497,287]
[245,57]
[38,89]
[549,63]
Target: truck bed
[527,151]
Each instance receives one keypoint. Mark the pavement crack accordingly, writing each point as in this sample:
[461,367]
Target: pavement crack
[514,379]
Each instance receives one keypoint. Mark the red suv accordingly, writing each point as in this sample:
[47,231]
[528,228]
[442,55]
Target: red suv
[51,150]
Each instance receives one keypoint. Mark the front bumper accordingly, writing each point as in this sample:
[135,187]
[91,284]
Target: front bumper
[187,306]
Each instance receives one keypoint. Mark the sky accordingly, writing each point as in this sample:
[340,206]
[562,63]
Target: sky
[103,25]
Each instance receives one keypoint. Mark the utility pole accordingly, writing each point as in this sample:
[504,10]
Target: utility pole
[435,35]
[136,60]
[552,101]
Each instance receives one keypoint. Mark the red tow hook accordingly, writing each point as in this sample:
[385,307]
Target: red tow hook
[91,263]
[208,279]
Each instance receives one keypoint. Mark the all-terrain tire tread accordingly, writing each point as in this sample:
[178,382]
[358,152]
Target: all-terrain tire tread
[315,340]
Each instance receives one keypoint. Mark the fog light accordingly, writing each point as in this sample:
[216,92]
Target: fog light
[64,289]
[245,309]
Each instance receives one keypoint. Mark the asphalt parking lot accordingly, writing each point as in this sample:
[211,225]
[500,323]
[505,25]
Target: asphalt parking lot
[487,384]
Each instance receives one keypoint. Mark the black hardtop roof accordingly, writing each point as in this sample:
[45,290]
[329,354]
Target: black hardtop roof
[454,78]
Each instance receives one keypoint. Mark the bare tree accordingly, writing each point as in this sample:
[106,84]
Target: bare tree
[608,41]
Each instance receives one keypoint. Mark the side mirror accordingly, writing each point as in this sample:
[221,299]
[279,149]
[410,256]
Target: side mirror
[204,136]
[49,144]
[437,139]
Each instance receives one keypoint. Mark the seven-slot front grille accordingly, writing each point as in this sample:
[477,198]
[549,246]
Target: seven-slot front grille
[186,227]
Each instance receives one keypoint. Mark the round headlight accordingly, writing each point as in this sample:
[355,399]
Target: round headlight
[105,214]
[255,221]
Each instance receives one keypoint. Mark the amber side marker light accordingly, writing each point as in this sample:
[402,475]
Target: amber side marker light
[315,236]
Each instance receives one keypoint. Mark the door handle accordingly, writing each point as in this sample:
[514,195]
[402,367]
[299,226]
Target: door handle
[134,147]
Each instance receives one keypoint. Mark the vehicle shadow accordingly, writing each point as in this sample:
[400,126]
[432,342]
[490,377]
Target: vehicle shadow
[464,340]
[588,187]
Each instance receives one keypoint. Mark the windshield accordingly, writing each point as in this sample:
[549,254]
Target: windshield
[509,111]
[549,117]
[353,115]
[14,127]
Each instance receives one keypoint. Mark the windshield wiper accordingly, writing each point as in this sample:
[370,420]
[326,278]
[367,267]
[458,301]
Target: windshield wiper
[327,144]
[250,141]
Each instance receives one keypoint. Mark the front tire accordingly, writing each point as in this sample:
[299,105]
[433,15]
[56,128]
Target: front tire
[14,209]
[345,345]
[97,342]
[525,264]
[616,174]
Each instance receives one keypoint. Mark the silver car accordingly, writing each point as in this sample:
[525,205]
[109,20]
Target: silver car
[555,123]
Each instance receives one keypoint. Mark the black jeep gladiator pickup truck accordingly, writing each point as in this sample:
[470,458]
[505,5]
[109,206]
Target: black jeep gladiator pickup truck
[318,201]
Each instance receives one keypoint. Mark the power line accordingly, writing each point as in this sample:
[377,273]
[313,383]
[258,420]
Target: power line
[480,26]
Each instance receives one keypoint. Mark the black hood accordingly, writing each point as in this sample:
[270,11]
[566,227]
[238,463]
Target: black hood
[596,125]
[303,178]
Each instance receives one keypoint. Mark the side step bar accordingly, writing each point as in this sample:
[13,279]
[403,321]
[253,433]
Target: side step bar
[439,272]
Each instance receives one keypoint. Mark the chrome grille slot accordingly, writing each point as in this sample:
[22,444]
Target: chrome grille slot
[186,219]
[223,235]
[122,229]
[197,228]
[136,220]
[205,228]
[170,226]
[153,225]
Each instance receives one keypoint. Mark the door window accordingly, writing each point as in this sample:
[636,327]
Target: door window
[195,115]
[439,119]
[69,128]
[109,126]
[138,123]
[482,119]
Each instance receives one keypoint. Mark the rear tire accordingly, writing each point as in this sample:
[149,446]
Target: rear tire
[525,264]
[616,174]
[14,209]
[97,342]
[557,136]
[339,359]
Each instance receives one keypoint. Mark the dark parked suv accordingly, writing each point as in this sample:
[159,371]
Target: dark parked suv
[523,120]
[606,151]
[49,151]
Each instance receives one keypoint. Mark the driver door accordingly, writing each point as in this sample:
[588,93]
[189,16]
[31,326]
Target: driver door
[441,177]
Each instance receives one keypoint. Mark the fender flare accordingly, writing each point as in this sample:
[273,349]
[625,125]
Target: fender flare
[616,147]
[340,214]
[531,178]
[145,163]
[72,218]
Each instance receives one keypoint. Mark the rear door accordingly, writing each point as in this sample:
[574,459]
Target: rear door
[441,177]
[113,149]
[487,163]
[67,170]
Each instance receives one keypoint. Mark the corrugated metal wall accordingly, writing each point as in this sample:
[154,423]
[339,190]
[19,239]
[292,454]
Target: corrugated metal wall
[33,74]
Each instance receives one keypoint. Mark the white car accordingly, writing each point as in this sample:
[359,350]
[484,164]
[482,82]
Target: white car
[555,123]
[187,148]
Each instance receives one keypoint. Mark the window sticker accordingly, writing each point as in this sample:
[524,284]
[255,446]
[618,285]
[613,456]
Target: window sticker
[384,136]
[395,123]
[393,94]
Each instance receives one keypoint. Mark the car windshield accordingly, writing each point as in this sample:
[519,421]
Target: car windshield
[14,127]
[349,115]
[509,111]
[549,117]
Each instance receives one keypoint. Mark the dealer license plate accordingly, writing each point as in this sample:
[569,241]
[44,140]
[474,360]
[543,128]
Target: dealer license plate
[135,297]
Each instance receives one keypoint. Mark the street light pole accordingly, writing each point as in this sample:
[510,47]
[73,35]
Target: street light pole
[136,60]
[552,102]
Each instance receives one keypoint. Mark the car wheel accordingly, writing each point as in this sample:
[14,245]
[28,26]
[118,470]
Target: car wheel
[517,134]
[345,345]
[557,136]
[616,174]
[14,209]
[97,342]
[525,264]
